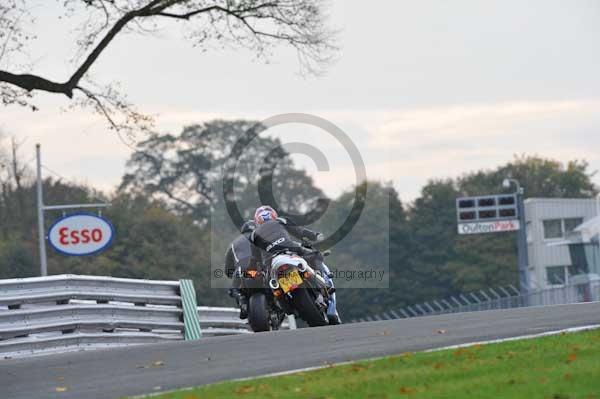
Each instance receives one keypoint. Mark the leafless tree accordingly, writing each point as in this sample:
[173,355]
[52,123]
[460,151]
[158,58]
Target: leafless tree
[13,173]
[258,25]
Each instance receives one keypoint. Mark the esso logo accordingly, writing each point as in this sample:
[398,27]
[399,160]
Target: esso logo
[81,234]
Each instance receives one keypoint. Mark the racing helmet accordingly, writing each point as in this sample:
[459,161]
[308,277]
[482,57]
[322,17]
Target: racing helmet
[264,213]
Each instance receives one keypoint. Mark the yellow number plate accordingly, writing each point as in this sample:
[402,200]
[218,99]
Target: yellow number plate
[289,280]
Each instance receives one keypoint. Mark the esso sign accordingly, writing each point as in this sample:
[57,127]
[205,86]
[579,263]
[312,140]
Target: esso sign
[80,234]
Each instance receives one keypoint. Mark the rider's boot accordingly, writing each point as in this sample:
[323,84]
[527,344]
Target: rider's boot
[332,313]
[241,300]
[243,304]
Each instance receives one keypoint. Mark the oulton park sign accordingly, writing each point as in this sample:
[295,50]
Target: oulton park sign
[487,214]
[497,226]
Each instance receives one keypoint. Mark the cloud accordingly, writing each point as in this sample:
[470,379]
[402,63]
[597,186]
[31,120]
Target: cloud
[407,146]
[422,126]
[413,145]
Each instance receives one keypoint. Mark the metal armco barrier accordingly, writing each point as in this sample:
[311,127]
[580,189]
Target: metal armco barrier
[67,312]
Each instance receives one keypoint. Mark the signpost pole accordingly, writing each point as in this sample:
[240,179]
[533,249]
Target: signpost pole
[40,215]
[522,243]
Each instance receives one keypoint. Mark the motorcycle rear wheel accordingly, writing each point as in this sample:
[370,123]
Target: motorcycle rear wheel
[307,308]
[258,313]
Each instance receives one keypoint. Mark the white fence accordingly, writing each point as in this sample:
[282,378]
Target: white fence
[495,298]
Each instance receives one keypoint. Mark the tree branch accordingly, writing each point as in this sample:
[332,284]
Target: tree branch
[255,24]
[189,14]
[120,24]
[33,82]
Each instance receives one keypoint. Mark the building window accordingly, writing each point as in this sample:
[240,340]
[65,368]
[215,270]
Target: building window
[559,228]
[553,229]
[555,275]
[571,224]
[559,275]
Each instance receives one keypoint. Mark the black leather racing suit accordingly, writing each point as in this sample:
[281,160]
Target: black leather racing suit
[237,260]
[238,254]
[275,236]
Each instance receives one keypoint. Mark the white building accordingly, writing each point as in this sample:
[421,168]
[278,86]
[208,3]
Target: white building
[549,222]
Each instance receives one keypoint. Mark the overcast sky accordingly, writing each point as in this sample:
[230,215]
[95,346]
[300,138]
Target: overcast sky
[425,89]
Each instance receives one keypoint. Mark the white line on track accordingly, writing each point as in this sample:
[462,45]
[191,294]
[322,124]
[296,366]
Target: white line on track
[493,341]
[530,336]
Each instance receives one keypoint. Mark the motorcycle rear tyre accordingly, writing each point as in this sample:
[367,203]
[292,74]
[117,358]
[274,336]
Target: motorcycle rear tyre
[307,308]
[258,313]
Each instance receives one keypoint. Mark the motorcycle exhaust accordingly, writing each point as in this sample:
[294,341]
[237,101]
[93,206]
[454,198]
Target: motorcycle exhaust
[302,267]
[274,284]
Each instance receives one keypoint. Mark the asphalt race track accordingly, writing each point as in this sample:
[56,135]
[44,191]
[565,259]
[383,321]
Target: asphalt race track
[113,373]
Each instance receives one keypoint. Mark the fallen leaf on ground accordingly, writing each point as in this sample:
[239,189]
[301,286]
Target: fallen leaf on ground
[571,358]
[406,390]
[60,389]
[441,331]
[461,351]
[263,387]
[244,389]
[158,363]
[357,367]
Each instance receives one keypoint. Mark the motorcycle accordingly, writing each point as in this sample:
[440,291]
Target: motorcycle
[289,286]
[297,288]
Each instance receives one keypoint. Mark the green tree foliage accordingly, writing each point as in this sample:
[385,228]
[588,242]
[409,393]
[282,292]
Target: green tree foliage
[162,216]
[432,227]
[187,171]
[379,242]
[467,263]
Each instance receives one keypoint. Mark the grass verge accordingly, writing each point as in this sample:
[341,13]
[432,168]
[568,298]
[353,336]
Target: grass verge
[565,366]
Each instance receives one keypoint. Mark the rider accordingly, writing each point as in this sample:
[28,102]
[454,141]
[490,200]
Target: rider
[272,233]
[237,260]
